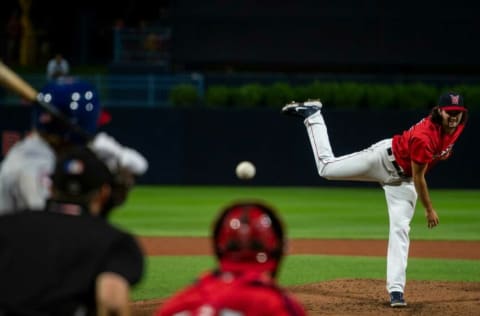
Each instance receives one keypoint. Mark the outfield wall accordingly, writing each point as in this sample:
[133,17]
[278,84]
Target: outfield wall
[200,146]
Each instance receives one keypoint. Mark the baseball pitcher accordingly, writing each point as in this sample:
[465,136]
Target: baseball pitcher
[399,164]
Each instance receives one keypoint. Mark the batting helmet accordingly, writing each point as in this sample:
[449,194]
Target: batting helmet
[248,235]
[76,101]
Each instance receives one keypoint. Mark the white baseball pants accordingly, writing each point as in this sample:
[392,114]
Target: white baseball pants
[373,164]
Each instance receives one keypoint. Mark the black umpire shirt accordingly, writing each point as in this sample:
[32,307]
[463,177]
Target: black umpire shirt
[49,262]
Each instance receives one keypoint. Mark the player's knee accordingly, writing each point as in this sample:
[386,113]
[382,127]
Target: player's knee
[400,229]
[324,174]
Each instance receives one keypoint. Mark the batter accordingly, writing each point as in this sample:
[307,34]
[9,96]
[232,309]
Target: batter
[25,171]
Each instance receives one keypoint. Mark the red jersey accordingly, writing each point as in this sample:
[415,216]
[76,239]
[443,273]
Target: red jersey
[223,293]
[423,143]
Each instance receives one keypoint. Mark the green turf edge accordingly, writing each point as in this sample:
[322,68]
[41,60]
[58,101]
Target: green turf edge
[165,274]
[313,212]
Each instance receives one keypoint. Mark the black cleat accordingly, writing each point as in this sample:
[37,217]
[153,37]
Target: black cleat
[397,300]
[302,109]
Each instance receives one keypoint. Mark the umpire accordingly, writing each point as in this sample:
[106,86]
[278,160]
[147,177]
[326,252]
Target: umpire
[69,260]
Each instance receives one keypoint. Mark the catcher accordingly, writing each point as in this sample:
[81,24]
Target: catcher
[249,243]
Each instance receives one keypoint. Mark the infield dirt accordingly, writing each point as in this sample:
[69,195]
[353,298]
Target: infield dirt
[347,296]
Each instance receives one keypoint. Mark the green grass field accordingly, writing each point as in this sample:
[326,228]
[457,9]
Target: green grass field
[308,212]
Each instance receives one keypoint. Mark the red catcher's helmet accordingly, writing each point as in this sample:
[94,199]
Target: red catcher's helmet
[248,236]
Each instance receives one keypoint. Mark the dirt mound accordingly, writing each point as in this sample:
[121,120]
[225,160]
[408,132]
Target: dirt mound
[369,298]
[352,297]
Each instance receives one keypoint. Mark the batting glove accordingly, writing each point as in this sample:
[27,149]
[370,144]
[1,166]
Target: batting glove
[117,156]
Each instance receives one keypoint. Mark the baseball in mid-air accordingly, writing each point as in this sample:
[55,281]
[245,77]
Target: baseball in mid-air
[245,170]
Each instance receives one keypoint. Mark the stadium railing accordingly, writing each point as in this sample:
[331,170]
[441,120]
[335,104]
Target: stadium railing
[124,90]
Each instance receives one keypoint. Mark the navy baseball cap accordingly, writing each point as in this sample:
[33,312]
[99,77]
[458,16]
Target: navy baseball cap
[451,101]
[79,172]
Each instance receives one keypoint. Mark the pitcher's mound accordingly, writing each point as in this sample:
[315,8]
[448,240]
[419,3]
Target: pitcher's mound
[369,298]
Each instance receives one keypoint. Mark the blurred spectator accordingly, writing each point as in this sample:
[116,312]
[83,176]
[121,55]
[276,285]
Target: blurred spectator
[249,243]
[44,50]
[27,40]
[57,67]
[14,32]
[151,46]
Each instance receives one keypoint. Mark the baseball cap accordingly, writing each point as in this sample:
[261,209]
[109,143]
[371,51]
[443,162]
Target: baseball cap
[79,172]
[451,101]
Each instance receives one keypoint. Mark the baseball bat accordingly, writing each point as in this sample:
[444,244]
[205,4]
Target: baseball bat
[13,82]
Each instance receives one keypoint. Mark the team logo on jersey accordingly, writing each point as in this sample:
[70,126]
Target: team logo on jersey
[445,153]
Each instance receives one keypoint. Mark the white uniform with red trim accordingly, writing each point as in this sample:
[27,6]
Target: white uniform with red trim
[389,162]
[378,164]
[373,164]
